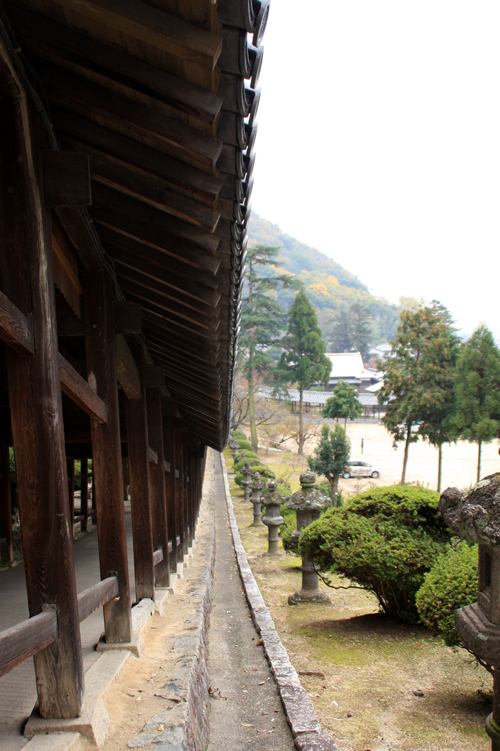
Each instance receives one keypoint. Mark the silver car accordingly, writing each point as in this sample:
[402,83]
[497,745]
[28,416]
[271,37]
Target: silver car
[360,468]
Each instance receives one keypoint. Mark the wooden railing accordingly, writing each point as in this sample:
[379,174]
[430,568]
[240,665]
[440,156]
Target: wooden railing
[25,639]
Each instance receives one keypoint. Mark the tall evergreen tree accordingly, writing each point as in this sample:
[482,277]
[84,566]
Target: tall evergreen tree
[341,332]
[343,403]
[304,361]
[263,321]
[417,373]
[478,390]
[442,350]
[360,329]
[330,456]
[351,331]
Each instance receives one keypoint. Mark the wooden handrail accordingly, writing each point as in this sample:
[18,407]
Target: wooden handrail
[157,556]
[25,639]
[96,596]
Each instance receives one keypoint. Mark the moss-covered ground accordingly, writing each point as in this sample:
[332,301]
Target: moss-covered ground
[381,685]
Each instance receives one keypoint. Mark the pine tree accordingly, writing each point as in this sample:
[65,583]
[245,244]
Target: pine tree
[478,390]
[331,455]
[343,403]
[304,361]
[263,321]
[417,375]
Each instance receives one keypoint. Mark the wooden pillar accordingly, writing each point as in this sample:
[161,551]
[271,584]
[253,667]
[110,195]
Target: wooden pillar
[179,489]
[158,490]
[188,497]
[106,451]
[36,414]
[70,469]
[7,552]
[170,488]
[138,467]
[84,493]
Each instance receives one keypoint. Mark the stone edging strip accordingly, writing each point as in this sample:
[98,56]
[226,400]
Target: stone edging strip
[299,708]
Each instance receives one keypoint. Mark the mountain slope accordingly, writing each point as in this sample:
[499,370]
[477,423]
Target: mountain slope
[329,286]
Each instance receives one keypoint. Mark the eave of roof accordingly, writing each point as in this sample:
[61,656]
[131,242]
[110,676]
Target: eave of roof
[155,93]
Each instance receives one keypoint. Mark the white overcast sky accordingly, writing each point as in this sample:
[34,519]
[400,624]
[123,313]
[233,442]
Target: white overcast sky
[379,144]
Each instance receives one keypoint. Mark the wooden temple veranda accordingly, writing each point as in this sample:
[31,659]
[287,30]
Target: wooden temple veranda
[126,156]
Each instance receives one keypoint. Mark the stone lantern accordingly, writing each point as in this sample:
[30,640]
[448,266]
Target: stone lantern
[247,481]
[258,486]
[273,519]
[476,517]
[308,503]
[234,446]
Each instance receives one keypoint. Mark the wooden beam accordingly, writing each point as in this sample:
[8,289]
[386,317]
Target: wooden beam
[66,179]
[127,370]
[66,267]
[150,237]
[153,191]
[178,316]
[96,596]
[52,40]
[79,237]
[25,639]
[157,559]
[153,26]
[133,119]
[16,329]
[152,456]
[107,474]
[80,392]
[127,253]
[83,133]
[182,303]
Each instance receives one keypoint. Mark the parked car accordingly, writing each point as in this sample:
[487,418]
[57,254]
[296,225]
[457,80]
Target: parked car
[360,468]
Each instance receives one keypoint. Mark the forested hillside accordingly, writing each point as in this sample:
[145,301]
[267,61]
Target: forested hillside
[332,289]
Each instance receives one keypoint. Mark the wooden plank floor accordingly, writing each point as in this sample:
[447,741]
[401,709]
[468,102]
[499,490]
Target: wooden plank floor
[17,689]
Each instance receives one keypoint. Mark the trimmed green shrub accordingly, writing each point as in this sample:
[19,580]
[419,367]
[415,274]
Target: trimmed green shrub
[245,445]
[383,540]
[286,530]
[450,584]
[252,459]
[265,473]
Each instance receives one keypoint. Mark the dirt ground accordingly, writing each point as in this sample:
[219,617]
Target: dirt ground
[459,460]
[380,685]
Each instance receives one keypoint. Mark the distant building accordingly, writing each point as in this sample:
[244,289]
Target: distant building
[348,367]
[380,352]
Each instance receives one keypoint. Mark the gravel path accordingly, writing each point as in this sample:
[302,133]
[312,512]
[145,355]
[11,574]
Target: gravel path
[246,711]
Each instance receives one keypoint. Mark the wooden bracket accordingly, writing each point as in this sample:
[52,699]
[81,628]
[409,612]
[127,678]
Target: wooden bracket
[66,179]
[127,370]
